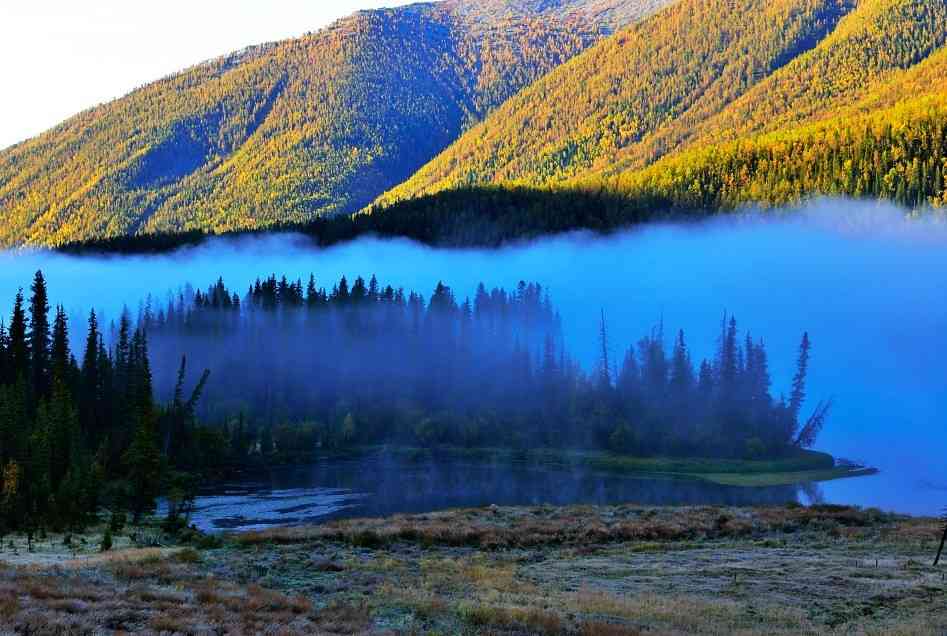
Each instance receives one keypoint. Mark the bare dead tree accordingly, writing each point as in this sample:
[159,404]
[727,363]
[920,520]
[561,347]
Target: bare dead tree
[814,424]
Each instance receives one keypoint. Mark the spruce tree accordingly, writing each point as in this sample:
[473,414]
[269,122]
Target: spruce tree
[90,394]
[5,375]
[60,348]
[798,393]
[682,372]
[39,338]
[143,460]
[604,366]
[18,348]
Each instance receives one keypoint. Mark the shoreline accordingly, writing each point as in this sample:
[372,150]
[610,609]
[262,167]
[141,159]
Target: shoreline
[803,466]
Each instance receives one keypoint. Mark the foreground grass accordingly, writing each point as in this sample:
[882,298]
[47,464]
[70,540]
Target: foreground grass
[538,570]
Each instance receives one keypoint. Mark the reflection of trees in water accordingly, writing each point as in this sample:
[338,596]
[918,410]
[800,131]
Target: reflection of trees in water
[398,485]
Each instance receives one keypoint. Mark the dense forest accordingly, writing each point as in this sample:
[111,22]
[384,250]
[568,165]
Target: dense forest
[504,119]
[77,434]
[365,363]
[292,368]
[698,74]
[291,130]
[897,154]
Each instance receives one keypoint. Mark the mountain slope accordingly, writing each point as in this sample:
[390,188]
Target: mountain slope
[698,73]
[288,131]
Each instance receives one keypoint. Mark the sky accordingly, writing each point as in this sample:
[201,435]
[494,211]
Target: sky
[61,57]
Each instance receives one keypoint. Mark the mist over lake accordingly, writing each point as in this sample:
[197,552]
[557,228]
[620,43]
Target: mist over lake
[869,287]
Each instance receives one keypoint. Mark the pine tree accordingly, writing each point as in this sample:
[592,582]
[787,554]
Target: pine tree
[604,366]
[143,459]
[90,395]
[39,337]
[798,393]
[5,374]
[60,347]
[19,348]
[682,372]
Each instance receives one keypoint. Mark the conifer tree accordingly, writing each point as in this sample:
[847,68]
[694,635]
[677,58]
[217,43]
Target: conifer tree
[5,375]
[90,395]
[143,459]
[19,349]
[60,347]
[604,366]
[39,338]
[682,371]
[798,393]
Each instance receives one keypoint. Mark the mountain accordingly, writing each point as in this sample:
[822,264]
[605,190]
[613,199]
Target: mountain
[292,130]
[704,86]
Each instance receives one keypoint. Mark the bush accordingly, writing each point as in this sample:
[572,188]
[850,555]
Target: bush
[188,555]
[117,521]
[367,539]
[755,448]
[208,542]
[106,544]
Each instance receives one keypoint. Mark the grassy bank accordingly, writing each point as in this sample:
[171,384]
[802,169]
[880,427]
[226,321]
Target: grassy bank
[799,467]
[538,570]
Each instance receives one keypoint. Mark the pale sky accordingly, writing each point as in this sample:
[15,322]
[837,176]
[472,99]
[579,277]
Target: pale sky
[63,56]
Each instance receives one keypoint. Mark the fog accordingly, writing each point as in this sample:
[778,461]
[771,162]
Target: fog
[868,286]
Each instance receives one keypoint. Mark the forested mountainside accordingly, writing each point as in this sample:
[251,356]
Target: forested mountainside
[291,130]
[715,91]
[691,106]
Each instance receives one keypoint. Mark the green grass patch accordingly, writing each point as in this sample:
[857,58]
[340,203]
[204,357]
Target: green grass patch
[796,467]
[784,478]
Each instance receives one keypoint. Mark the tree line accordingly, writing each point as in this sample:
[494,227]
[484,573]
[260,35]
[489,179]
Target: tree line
[897,155]
[297,366]
[77,434]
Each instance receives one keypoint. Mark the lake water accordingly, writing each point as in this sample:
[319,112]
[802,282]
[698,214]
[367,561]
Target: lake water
[870,288]
[385,485]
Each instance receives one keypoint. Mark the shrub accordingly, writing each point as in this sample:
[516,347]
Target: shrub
[208,542]
[106,544]
[367,539]
[117,521]
[188,555]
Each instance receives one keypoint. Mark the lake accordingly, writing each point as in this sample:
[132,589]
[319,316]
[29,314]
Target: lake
[869,287]
[385,484]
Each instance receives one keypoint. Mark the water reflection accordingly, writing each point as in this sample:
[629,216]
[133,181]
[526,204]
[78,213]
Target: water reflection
[385,485]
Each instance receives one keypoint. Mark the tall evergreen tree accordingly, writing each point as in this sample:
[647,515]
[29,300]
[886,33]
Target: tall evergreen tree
[19,348]
[91,395]
[798,393]
[39,337]
[5,373]
[604,366]
[60,362]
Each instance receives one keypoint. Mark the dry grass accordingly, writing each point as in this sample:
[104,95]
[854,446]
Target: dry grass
[505,528]
[692,615]
[578,570]
[158,595]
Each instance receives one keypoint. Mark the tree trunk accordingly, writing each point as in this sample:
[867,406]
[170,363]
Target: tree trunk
[943,540]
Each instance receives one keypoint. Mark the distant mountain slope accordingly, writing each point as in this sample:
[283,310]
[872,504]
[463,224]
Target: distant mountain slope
[696,74]
[288,131]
